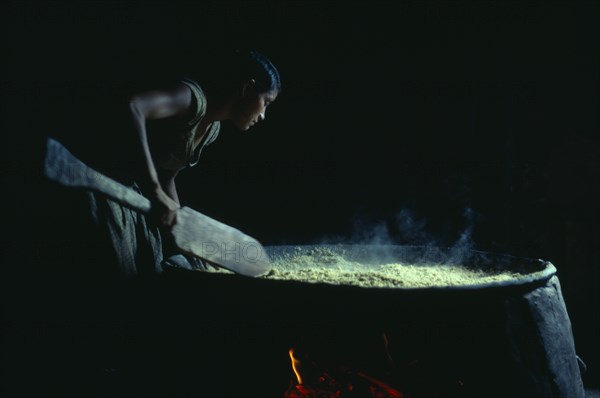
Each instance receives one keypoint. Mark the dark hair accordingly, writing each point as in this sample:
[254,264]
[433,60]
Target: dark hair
[229,71]
[254,65]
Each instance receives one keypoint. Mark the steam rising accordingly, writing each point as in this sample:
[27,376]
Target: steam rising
[408,229]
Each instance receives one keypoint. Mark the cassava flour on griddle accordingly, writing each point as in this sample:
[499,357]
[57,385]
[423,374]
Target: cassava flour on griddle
[323,265]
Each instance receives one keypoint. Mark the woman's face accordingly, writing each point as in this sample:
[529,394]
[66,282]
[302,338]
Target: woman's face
[252,108]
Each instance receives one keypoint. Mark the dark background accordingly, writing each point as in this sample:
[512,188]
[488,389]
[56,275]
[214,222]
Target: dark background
[475,116]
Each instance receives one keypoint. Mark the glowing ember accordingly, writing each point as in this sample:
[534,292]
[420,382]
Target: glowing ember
[349,384]
[389,391]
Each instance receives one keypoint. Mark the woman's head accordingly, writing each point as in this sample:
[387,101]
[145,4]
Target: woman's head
[258,85]
[246,81]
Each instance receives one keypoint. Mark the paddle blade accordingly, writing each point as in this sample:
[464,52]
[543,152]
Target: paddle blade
[209,239]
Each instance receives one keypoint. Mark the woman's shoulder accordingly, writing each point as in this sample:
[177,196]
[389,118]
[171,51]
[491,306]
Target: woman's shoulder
[198,100]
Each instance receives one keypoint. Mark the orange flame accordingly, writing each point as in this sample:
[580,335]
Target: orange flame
[295,362]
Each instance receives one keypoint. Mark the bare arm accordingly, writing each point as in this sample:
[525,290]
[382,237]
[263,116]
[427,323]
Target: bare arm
[168,184]
[157,105]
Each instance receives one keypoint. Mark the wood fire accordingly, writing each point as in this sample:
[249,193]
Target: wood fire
[346,383]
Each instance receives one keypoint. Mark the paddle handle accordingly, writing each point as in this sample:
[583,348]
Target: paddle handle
[63,167]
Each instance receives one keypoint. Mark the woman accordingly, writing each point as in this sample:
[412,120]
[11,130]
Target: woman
[87,330]
[166,130]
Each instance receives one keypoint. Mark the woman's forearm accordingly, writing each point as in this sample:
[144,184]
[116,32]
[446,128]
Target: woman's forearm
[147,175]
[171,189]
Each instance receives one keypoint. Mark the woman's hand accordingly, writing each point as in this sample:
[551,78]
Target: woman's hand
[164,209]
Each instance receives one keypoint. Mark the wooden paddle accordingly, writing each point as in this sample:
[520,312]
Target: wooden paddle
[194,233]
